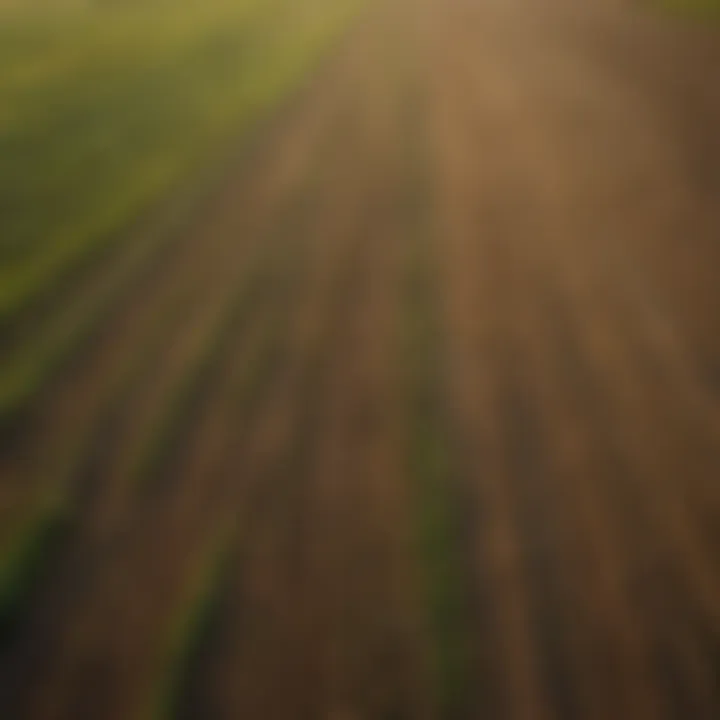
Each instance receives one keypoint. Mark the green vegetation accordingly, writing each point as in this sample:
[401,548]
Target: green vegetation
[24,552]
[34,362]
[429,455]
[266,266]
[103,112]
[430,469]
[22,561]
[189,626]
[700,9]
[177,414]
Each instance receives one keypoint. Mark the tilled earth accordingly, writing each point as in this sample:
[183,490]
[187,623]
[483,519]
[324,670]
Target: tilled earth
[416,414]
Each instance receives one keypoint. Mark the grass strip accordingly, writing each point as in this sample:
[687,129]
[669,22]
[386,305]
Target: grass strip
[429,457]
[24,378]
[177,416]
[26,552]
[189,626]
[145,95]
[704,11]
[22,562]
[29,544]
[274,274]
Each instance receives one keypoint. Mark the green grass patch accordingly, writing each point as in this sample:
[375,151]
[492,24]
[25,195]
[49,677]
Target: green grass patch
[23,558]
[102,110]
[266,283]
[29,545]
[178,415]
[431,470]
[700,10]
[429,457]
[216,71]
[189,626]
[27,370]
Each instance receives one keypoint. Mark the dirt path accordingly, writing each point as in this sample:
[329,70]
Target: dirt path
[421,417]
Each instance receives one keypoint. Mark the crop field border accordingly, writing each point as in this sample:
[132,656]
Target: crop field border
[104,185]
[78,82]
[440,538]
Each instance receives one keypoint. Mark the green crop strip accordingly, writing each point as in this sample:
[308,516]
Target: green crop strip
[28,546]
[25,376]
[265,286]
[22,562]
[115,105]
[38,58]
[177,414]
[698,10]
[47,341]
[198,620]
[429,460]
[189,626]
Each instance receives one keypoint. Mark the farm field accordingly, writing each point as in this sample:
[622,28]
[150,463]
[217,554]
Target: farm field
[359,361]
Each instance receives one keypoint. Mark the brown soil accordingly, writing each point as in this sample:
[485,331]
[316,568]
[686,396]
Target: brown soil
[555,169]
